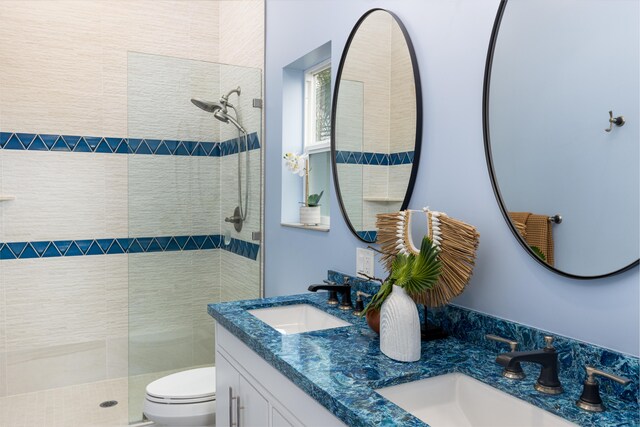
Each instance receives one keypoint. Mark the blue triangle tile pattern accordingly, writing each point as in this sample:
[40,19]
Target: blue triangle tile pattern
[14,144]
[28,252]
[91,247]
[70,141]
[49,140]
[103,147]
[37,145]
[153,144]
[116,145]
[368,236]
[115,248]
[5,253]
[377,159]
[4,137]
[52,251]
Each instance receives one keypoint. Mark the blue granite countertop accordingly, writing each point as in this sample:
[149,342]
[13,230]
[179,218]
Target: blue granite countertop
[341,367]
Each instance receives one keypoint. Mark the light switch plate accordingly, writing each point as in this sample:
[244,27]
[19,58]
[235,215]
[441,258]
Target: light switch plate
[364,262]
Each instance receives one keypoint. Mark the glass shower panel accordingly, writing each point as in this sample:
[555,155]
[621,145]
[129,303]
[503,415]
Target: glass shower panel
[183,183]
[240,257]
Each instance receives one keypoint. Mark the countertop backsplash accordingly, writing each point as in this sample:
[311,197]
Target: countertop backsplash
[573,355]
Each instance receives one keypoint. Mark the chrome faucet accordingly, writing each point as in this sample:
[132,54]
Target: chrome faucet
[333,288]
[548,381]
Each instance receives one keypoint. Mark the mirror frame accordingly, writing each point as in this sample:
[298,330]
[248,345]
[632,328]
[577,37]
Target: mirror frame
[334,105]
[492,174]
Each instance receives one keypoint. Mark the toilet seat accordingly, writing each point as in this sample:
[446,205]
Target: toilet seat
[185,398]
[192,386]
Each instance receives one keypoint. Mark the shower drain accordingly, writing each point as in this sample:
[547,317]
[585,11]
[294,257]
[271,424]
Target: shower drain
[108,403]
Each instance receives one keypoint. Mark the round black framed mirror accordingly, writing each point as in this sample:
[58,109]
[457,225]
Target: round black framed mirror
[376,122]
[560,116]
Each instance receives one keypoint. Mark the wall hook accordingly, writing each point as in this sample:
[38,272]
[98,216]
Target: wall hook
[618,121]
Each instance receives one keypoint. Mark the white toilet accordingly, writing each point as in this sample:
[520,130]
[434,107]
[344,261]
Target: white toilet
[185,398]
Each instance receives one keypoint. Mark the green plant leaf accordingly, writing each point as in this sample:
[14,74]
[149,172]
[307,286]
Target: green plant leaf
[421,272]
[415,273]
[314,199]
[378,298]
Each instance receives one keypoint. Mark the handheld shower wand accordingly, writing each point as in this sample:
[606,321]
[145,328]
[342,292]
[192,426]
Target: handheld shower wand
[220,111]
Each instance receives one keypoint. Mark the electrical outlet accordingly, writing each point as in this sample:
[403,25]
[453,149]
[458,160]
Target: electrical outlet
[364,262]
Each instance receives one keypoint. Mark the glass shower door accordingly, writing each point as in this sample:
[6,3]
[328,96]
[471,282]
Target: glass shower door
[183,182]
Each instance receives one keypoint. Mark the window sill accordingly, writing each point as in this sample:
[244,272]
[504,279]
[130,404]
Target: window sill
[319,227]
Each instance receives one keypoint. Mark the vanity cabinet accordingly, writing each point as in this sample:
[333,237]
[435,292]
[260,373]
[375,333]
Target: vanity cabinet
[238,399]
[251,391]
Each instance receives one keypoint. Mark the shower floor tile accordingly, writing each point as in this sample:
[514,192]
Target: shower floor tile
[71,406]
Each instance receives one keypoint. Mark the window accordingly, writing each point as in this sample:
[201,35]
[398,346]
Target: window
[317,97]
[306,129]
[317,131]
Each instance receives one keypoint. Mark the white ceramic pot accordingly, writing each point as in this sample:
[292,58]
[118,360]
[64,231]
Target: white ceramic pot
[400,327]
[310,215]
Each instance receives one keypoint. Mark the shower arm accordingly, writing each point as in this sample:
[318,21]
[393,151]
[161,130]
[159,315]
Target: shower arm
[224,99]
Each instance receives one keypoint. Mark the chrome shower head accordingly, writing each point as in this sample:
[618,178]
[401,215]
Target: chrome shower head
[226,118]
[220,109]
[209,107]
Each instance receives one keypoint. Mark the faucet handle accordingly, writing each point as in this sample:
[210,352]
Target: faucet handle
[548,343]
[590,398]
[592,372]
[512,344]
[363,294]
[514,372]
[346,280]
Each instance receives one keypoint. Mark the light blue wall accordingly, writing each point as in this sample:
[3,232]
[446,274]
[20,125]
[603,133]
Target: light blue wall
[450,39]
[565,143]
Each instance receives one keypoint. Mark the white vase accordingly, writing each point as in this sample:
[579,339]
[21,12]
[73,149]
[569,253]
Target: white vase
[310,215]
[400,327]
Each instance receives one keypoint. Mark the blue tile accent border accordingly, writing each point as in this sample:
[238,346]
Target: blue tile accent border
[376,159]
[369,236]
[69,248]
[111,145]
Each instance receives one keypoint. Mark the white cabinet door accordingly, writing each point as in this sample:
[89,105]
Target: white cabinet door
[267,398]
[280,420]
[227,389]
[254,407]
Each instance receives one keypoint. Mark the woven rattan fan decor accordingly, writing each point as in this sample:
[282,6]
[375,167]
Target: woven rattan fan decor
[456,240]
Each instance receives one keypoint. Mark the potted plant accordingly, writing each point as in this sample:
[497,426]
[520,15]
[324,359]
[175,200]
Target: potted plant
[410,275]
[310,209]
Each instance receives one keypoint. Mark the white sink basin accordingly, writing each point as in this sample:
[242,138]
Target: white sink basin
[459,400]
[294,319]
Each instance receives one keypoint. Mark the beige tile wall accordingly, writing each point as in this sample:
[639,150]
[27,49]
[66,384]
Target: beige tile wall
[242,33]
[62,196]
[65,62]
[403,100]
[351,190]
[373,68]
[350,116]
[64,69]
[58,313]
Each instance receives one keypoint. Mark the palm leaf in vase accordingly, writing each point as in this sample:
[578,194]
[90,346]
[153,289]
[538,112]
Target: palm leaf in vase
[415,273]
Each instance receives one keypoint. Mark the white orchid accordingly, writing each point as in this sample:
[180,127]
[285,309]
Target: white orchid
[296,163]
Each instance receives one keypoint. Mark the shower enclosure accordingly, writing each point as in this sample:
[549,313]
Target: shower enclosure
[194,208]
[114,190]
